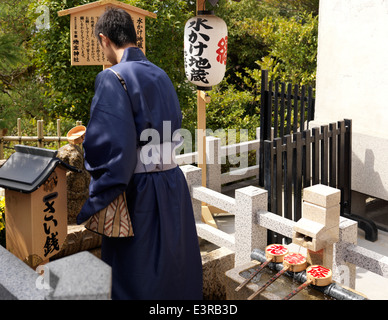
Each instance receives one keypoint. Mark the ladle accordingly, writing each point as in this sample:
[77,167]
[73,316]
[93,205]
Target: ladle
[273,253]
[316,275]
[76,135]
[294,262]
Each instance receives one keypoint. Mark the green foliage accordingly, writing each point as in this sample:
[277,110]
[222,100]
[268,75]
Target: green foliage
[262,35]
[165,47]
[294,7]
[10,53]
[68,90]
[245,43]
[38,81]
[14,60]
[231,108]
[292,44]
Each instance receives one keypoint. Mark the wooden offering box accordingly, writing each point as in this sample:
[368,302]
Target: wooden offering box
[35,203]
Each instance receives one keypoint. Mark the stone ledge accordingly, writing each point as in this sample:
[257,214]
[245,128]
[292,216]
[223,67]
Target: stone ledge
[214,265]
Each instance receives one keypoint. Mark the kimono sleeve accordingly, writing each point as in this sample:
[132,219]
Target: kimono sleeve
[109,145]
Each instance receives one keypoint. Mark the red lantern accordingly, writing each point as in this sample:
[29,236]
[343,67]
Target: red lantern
[205,50]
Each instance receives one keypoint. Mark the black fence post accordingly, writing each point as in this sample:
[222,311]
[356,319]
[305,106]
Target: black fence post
[264,116]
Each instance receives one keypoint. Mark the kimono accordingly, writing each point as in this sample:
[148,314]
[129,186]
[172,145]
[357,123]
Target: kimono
[162,261]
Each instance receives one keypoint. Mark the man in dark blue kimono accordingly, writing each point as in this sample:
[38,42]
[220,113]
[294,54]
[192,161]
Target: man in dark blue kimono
[128,147]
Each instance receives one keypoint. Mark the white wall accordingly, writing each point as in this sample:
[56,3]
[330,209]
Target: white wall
[352,83]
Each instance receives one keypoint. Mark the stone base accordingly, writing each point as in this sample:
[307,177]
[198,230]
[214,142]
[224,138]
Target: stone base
[279,289]
[214,265]
[234,279]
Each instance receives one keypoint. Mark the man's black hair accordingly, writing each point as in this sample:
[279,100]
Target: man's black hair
[117,25]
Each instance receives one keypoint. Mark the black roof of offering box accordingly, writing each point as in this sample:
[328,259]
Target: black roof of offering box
[29,167]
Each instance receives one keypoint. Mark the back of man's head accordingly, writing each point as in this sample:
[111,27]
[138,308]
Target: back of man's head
[117,25]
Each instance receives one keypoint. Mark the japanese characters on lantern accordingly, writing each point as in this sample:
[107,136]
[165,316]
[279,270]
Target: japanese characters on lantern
[205,50]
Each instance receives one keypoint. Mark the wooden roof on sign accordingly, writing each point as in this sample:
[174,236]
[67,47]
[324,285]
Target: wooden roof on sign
[106,3]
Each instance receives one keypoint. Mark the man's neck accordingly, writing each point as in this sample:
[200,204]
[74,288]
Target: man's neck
[120,51]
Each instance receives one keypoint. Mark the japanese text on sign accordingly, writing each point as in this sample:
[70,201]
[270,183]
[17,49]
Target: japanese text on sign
[85,47]
[140,33]
[198,41]
[50,224]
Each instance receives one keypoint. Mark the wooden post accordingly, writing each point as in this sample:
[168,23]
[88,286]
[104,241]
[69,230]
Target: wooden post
[19,126]
[201,132]
[201,120]
[40,133]
[1,145]
[200,5]
[202,99]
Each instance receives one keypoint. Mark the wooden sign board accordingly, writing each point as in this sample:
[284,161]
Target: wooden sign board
[85,47]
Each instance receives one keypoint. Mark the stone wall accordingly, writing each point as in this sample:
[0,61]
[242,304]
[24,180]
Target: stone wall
[351,83]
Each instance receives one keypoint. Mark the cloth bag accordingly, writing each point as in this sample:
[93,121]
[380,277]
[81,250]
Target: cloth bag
[114,220]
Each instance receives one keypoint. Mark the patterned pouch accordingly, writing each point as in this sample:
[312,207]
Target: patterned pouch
[112,221]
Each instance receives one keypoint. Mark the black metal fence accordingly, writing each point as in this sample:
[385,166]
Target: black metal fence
[293,157]
[285,109]
[320,155]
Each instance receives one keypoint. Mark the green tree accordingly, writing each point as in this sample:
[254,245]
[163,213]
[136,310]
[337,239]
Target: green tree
[10,52]
[292,44]
[270,34]
[15,66]
[68,90]
[294,7]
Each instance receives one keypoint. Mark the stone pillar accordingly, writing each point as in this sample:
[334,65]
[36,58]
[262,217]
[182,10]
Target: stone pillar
[318,229]
[213,163]
[248,234]
[193,177]
[345,272]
